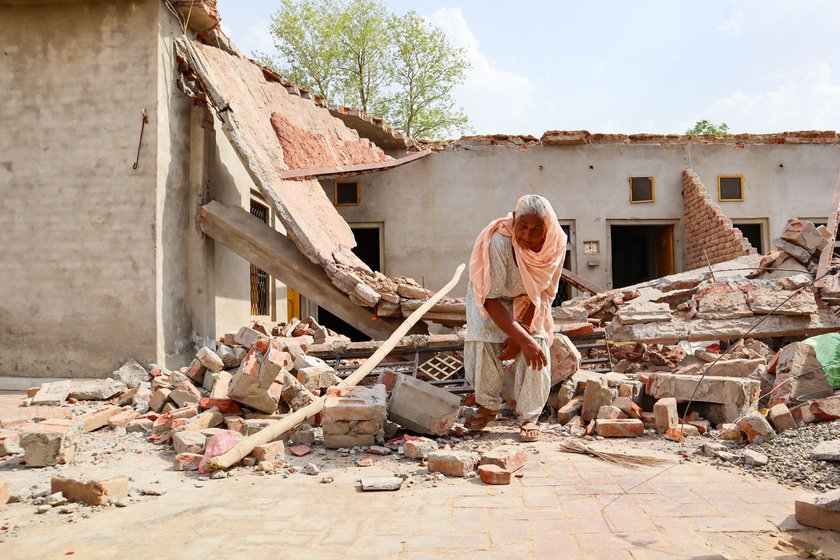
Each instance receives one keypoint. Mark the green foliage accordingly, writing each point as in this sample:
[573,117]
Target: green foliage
[708,127]
[356,53]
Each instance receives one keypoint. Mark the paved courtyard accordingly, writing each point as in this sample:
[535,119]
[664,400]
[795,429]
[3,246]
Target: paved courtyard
[563,506]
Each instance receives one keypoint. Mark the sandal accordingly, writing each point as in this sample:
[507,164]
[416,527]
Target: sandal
[529,432]
[480,419]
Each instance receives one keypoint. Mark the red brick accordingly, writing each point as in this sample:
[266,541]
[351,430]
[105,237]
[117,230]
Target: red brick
[608,412]
[826,409]
[300,450]
[96,419]
[122,419]
[273,451]
[781,418]
[665,411]
[507,457]
[452,463]
[92,492]
[629,427]
[494,475]
[186,461]
[225,406]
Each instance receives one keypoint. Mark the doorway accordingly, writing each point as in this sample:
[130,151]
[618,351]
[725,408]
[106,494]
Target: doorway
[641,253]
[369,250]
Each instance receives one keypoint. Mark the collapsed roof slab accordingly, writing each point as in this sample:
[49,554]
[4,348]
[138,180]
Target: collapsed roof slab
[273,131]
[271,251]
[757,326]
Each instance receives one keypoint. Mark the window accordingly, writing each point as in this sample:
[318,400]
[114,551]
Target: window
[641,190]
[730,188]
[259,277]
[752,232]
[346,193]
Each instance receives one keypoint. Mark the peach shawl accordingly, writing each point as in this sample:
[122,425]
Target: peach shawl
[540,271]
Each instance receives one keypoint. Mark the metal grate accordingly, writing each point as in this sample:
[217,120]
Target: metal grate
[441,367]
[259,277]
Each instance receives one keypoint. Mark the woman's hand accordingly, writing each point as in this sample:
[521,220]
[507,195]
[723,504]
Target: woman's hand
[510,350]
[534,356]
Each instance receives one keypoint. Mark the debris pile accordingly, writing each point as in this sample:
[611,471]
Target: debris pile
[723,301]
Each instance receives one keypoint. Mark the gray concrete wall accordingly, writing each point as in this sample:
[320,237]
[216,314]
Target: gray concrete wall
[434,208]
[77,261]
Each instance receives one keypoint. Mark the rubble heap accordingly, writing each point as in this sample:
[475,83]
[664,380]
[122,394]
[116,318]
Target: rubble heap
[723,301]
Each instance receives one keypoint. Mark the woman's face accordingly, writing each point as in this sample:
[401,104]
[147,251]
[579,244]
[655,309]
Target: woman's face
[529,232]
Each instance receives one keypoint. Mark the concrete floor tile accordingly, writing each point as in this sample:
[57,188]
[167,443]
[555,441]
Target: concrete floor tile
[670,509]
[736,524]
[540,498]
[628,518]
[570,526]
[616,541]
[581,506]
[450,542]
[504,531]
[589,489]
[489,502]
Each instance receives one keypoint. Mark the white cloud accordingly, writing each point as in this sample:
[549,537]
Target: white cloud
[733,24]
[496,100]
[804,104]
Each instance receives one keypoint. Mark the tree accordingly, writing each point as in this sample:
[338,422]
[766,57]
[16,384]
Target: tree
[354,52]
[708,127]
[426,69]
[305,33]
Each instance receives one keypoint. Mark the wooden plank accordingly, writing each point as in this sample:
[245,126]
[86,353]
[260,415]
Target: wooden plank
[356,169]
[270,250]
[581,283]
[825,257]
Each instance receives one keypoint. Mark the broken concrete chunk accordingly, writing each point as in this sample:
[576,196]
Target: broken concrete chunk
[188,442]
[564,358]
[803,234]
[52,394]
[507,457]
[799,253]
[419,448]
[95,389]
[159,398]
[422,407]
[247,337]
[727,397]
[453,463]
[185,393]
[827,451]
[317,378]
[379,484]
[781,418]
[756,427]
[733,368]
[92,492]
[50,442]
[231,356]
[132,374]
[721,301]
[763,302]
[210,359]
[596,395]
[643,312]
[186,461]
[665,411]
[9,443]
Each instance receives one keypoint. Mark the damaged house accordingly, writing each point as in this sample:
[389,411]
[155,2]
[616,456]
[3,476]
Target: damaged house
[164,190]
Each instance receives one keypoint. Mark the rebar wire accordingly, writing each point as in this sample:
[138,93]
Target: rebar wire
[832,270]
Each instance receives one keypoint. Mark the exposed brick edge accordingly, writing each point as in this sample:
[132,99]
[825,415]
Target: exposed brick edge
[707,228]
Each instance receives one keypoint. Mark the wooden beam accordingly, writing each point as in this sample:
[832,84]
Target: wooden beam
[356,169]
[244,447]
[828,252]
[581,283]
[273,252]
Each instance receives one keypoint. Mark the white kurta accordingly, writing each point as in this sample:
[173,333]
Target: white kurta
[483,342]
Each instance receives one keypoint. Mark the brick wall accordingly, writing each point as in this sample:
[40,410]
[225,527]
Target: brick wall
[707,228]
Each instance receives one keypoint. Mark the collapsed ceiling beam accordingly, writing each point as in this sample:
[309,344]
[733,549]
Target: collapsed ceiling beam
[273,252]
[581,283]
[344,170]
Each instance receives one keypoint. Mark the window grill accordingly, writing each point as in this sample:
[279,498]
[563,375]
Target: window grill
[259,277]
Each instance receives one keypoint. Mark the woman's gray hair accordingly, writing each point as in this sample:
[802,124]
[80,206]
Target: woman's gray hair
[531,205]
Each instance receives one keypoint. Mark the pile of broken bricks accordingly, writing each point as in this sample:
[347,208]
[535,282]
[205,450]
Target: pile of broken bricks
[720,302]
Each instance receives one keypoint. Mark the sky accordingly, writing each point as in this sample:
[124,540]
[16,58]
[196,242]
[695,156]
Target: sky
[619,66]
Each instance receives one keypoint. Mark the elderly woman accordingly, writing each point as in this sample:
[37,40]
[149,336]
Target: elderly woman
[515,268]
